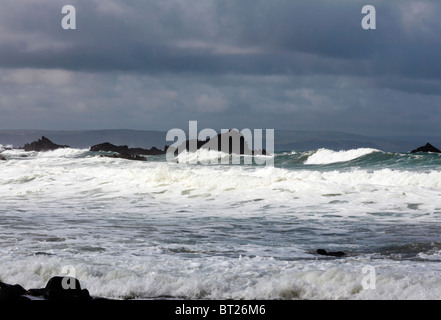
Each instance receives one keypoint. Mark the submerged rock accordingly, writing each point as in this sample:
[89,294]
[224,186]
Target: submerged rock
[331,253]
[2,158]
[126,156]
[43,144]
[427,148]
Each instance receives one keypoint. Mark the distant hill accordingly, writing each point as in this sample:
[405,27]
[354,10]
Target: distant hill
[86,139]
[285,140]
[288,140]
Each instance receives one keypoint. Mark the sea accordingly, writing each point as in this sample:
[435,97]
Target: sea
[209,229]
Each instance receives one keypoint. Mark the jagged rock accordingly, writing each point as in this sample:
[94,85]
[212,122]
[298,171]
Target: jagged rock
[331,253]
[43,144]
[231,142]
[125,152]
[150,152]
[108,147]
[427,148]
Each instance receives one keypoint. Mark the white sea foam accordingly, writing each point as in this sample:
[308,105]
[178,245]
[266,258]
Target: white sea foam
[204,156]
[146,229]
[51,175]
[209,157]
[326,156]
[7,147]
[131,277]
[62,153]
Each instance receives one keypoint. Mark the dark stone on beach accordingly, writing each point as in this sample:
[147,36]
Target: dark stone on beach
[427,148]
[11,292]
[57,288]
[125,152]
[331,253]
[43,144]
[36,292]
[65,288]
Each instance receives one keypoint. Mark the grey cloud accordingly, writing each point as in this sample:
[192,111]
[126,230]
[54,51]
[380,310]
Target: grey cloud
[289,37]
[254,63]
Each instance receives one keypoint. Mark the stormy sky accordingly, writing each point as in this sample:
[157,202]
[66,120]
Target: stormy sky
[270,64]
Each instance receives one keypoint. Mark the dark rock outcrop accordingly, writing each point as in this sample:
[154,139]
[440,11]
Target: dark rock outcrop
[65,288]
[427,148]
[231,142]
[125,152]
[57,288]
[43,144]
[11,292]
[331,253]
[2,158]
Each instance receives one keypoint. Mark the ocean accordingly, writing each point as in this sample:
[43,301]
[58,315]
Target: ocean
[178,230]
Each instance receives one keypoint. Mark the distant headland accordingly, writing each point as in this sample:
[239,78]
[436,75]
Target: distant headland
[285,140]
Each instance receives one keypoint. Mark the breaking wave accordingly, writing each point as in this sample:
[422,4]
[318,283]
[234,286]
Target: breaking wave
[326,156]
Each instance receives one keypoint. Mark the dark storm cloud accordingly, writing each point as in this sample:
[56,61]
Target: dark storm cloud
[214,37]
[227,63]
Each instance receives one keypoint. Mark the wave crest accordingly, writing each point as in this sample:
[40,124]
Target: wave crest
[326,156]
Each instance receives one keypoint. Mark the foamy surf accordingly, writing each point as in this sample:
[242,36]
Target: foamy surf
[149,276]
[204,156]
[140,230]
[3,148]
[213,157]
[326,156]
